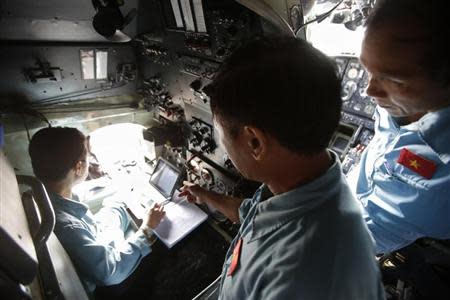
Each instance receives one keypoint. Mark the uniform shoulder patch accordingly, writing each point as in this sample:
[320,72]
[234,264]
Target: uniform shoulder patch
[417,164]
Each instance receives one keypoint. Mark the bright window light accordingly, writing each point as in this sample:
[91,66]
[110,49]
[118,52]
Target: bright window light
[87,64]
[333,37]
[101,64]
[119,144]
[121,152]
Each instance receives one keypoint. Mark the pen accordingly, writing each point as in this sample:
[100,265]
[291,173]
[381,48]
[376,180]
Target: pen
[165,201]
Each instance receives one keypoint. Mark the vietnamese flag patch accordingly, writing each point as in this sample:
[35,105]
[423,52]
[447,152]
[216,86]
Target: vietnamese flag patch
[417,164]
[235,257]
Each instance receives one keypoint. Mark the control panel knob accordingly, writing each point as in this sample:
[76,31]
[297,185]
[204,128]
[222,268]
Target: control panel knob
[228,164]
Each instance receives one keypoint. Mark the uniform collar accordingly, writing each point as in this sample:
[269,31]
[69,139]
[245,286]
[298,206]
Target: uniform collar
[71,206]
[278,210]
[433,129]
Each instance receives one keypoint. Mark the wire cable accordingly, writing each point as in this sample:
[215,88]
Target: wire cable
[81,109]
[318,18]
[57,99]
[26,127]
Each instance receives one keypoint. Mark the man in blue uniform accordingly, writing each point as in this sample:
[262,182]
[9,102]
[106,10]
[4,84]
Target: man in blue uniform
[404,176]
[276,104]
[95,243]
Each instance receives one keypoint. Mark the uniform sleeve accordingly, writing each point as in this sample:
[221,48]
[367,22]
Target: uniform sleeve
[112,216]
[333,275]
[102,263]
[399,215]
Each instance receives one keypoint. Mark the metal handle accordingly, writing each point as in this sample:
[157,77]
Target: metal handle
[47,215]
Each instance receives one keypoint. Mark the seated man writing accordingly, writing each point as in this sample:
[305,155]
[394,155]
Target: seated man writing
[276,103]
[96,246]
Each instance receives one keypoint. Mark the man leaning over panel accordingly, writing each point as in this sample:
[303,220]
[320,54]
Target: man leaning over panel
[403,181]
[276,103]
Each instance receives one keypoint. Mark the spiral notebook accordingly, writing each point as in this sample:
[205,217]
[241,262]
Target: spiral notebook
[181,217]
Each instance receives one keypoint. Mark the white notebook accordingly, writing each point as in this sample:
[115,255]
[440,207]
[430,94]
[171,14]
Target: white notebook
[181,218]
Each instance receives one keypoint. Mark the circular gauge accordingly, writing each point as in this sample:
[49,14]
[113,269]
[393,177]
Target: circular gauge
[219,187]
[352,73]
[369,109]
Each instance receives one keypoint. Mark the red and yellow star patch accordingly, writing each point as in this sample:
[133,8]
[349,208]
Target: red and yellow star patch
[235,257]
[417,164]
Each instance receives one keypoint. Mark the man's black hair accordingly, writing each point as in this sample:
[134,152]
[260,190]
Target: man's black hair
[283,86]
[55,151]
[433,17]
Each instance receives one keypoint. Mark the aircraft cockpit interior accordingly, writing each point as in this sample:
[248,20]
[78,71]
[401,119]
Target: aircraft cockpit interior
[131,76]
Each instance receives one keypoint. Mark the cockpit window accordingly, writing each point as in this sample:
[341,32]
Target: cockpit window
[119,144]
[120,152]
[341,33]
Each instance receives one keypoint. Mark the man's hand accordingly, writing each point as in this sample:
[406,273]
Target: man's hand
[194,193]
[154,216]
[227,205]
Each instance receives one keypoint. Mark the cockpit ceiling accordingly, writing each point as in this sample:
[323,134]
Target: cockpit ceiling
[54,20]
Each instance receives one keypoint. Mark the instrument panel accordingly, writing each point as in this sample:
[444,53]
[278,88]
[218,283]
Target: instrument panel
[177,63]
[356,128]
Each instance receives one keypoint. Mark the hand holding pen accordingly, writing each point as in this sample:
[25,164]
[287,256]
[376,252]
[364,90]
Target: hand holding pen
[154,216]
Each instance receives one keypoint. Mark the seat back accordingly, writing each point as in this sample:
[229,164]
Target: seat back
[33,263]
[18,260]
[57,275]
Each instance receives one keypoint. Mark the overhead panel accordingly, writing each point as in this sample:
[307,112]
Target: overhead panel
[199,15]
[177,13]
[187,14]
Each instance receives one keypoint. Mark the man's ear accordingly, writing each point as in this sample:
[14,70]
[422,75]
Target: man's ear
[257,141]
[78,168]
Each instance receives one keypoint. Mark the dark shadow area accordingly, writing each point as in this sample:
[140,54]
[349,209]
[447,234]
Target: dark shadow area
[419,271]
[178,273]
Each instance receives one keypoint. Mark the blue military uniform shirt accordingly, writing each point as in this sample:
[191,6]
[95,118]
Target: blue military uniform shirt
[308,243]
[399,204]
[96,244]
